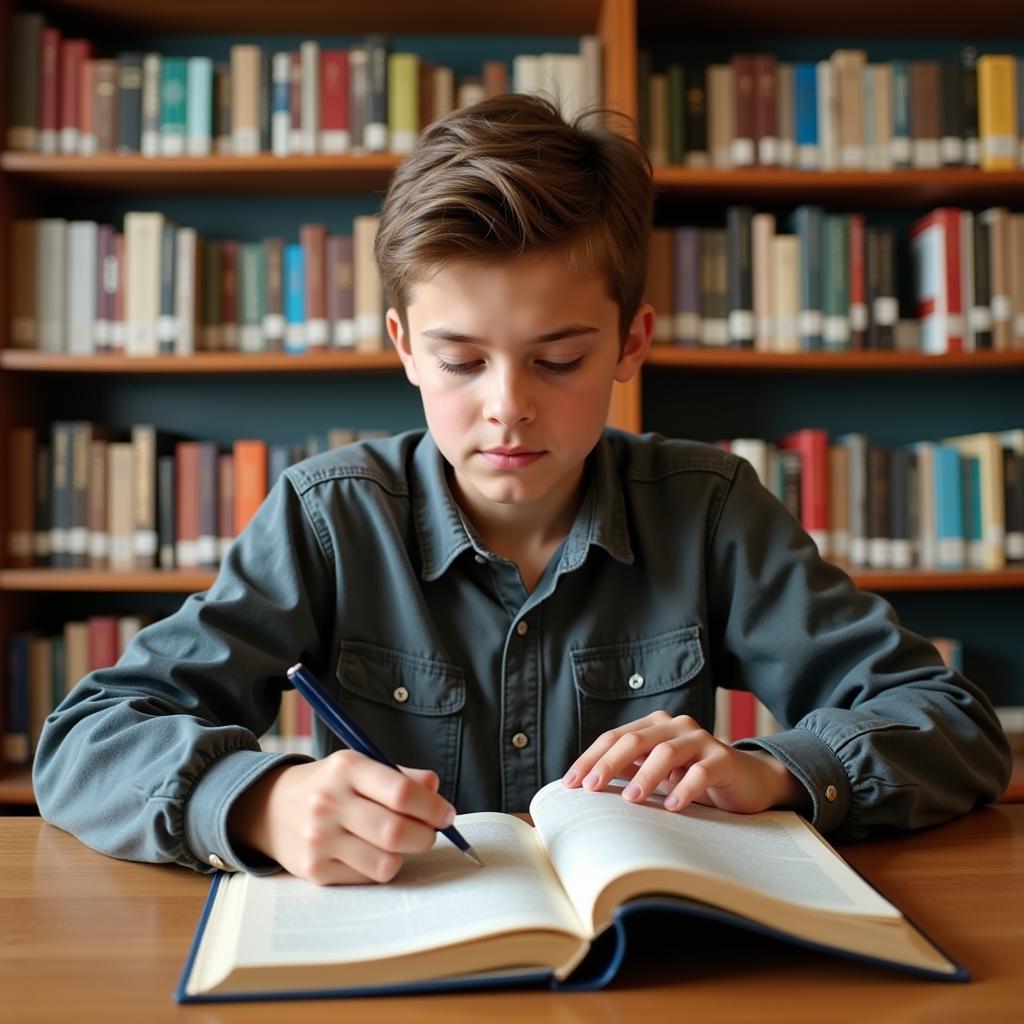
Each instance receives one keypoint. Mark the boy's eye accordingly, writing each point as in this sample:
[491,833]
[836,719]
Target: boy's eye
[551,367]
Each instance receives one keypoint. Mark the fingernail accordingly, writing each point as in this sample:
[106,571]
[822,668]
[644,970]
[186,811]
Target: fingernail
[570,776]
[632,791]
[671,802]
[592,780]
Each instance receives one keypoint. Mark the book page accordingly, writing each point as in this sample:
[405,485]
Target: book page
[439,897]
[595,838]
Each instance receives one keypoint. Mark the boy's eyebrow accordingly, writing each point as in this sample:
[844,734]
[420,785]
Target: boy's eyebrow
[569,331]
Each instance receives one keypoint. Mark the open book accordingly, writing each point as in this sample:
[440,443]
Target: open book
[543,897]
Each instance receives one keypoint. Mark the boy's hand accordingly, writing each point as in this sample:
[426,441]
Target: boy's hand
[688,764]
[344,819]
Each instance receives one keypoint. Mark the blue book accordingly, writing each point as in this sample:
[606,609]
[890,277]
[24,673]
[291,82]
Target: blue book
[445,924]
[199,106]
[805,87]
[949,514]
[970,470]
[901,128]
[806,224]
[294,299]
[173,104]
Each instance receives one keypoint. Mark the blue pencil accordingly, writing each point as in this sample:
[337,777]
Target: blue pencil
[332,715]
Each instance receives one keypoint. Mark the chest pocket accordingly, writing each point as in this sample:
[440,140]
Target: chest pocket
[411,707]
[620,683]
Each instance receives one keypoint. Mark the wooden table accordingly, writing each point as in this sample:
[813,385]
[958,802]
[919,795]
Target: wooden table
[87,938]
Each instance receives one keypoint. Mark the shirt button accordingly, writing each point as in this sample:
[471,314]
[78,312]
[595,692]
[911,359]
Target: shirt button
[401,695]
[636,681]
[831,793]
[520,740]
[522,627]
[480,560]
[216,861]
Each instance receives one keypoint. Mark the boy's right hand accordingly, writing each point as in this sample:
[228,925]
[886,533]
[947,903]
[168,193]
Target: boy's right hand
[343,819]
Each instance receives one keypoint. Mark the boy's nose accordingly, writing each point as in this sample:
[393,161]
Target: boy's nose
[509,401]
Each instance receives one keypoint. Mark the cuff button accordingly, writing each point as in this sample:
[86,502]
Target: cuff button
[831,793]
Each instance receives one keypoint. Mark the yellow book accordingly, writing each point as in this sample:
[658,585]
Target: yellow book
[997,112]
[986,447]
[403,100]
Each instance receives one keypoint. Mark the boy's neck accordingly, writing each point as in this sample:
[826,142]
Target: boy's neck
[525,534]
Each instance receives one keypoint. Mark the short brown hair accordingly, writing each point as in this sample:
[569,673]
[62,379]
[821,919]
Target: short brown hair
[508,175]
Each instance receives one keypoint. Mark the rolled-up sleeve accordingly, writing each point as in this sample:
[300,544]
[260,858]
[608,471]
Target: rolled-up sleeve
[875,726]
[142,761]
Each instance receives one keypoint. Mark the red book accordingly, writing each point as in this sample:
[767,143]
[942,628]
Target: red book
[935,241]
[334,133]
[49,90]
[229,294]
[74,53]
[186,497]
[812,444]
[102,641]
[742,715]
[314,245]
[743,151]
[858,282]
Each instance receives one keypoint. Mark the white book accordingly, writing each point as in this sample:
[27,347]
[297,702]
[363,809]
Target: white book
[120,506]
[786,281]
[142,244]
[51,283]
[592,89]
[469,93]
[81,286]
[310,106]
[755,451]
[199,77]
[369,304]
[526,74]
[762,235]
[927,536]
[185,276]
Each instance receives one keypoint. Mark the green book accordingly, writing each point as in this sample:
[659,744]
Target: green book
[252,296]
[676,113]
[173,108]
[836,282]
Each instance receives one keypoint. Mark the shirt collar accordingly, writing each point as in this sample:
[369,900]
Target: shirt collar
[443,534]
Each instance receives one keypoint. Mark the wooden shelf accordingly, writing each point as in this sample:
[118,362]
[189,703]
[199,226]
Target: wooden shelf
[914,188]
[663,355]
[191,580]
[176,581]
[130,173]
[202,363]
[405,17]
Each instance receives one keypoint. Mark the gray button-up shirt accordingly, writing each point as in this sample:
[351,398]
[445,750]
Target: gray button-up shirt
[680,570]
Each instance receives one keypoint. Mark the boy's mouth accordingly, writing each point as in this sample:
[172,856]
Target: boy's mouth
[511,458]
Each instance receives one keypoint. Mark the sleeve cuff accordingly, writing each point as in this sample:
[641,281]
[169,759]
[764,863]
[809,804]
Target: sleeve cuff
[817,767]
[207,809]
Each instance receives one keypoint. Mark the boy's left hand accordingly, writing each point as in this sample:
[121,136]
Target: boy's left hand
[689,764]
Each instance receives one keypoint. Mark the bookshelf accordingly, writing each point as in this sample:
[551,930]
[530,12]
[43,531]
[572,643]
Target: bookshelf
[37,387]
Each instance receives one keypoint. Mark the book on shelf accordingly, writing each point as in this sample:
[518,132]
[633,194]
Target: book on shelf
[85,496]
[957,503]
[553,905]
[367,98]
[188,293]
[841,112]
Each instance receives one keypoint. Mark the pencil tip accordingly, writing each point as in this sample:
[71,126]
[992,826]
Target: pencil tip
[473,857]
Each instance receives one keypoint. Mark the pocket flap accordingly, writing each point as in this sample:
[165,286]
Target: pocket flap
[405,682]
[639,668]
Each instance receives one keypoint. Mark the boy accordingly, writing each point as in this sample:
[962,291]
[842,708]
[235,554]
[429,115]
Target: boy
[515,594]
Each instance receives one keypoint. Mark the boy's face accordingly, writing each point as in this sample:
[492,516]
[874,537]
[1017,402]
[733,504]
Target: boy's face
[515,364]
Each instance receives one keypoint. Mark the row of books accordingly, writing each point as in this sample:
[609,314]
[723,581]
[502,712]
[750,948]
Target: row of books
[154,288]
[840,113]
[831,284]
[86,498]
[957,503]
[41,669]
[363,98]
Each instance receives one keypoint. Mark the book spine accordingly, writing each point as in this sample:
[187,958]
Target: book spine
[167,328]
[294,299]
[280,130]
[334,102]
[740,280]
[173,99]
[375,131]
[199,113]
[166,511]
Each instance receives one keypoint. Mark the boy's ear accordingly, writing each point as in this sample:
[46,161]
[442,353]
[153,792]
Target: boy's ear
[634,351]
[402,346]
